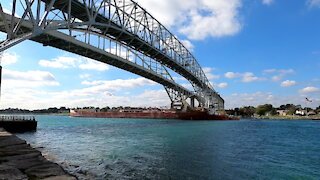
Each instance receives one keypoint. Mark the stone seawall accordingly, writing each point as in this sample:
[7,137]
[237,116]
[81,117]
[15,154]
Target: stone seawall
[19,161]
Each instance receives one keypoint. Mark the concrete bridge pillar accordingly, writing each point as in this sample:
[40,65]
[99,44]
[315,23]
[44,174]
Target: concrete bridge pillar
[192,101]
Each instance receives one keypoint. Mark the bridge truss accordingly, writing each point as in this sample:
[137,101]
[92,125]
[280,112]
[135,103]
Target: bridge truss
[117,32]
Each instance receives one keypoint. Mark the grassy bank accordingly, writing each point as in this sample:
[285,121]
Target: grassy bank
[288,117]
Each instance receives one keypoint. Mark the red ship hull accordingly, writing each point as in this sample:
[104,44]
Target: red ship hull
[193,115]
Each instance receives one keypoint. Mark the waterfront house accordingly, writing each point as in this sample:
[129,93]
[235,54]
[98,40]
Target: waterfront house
[301,112]
[311,113]
[282,112]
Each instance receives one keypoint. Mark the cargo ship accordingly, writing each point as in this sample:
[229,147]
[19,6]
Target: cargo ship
[139,113]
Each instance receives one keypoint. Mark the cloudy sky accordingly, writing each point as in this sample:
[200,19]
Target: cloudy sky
[253,52]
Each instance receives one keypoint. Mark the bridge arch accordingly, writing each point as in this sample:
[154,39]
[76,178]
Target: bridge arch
[117,32]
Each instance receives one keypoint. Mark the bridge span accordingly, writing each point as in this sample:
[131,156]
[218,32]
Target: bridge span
[117,32]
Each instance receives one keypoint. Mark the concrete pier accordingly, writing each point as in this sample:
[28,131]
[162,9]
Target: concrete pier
[20,124]
[19,161]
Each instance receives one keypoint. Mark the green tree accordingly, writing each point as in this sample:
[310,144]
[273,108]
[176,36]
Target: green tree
[292,110]
[273,111]
[230,112]
[105,109]
[287,107]
[308,109]
[264,109]
[236,111]
[247,111]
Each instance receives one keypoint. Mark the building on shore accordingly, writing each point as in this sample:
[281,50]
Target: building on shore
[282,112]
[311,113]
[301,112]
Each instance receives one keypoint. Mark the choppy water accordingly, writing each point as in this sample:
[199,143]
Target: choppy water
[175,149]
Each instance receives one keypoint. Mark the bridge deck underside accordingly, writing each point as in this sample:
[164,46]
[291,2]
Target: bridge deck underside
[111,59]
[64,42]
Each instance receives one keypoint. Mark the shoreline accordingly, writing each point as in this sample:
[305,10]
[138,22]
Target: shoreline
[19,160]
[291,117]
[284,117]
[36,114]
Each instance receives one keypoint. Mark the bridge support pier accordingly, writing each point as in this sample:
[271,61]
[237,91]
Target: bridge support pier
[192,102]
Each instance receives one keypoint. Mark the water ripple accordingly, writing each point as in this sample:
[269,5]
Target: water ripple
[169,149]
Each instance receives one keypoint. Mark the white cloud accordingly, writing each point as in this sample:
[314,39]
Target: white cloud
[52,64]
[209,74]
[99,94]
[156,97]
[250,77]
[286,71]
[188,45]
[213,19]
[222,85]
[276,78]
[60,62]
[245,77]
[313,3]
[94,65]
[197,19]
[8,58]
[187,85]
[267,2]
[28,79]
[269,70]
[33,99]
[207,69]
[258,98]
[309,90]
[288,83]
[168,12]
[231,75]
[84,76]
[245,99]
[281,74]
[178,78]
[212,76]
[64,62]
[116,85]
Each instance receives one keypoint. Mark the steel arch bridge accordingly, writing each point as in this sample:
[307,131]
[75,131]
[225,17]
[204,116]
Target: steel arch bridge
[117,32]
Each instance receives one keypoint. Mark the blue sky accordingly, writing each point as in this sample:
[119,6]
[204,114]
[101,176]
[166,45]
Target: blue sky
[253,51]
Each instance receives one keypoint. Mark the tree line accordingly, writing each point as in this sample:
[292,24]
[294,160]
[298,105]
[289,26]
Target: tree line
[268,109]
[37,111]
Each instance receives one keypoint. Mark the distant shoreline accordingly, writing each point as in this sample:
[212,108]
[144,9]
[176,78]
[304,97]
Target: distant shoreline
[285,117]
[291,117]
[37,114]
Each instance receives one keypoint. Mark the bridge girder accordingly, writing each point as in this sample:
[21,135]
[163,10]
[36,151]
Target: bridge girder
[131,32]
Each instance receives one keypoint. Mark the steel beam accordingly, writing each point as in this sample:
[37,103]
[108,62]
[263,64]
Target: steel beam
[85,23]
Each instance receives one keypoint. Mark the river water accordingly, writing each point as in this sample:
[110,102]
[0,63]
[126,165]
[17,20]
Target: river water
[174,149]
